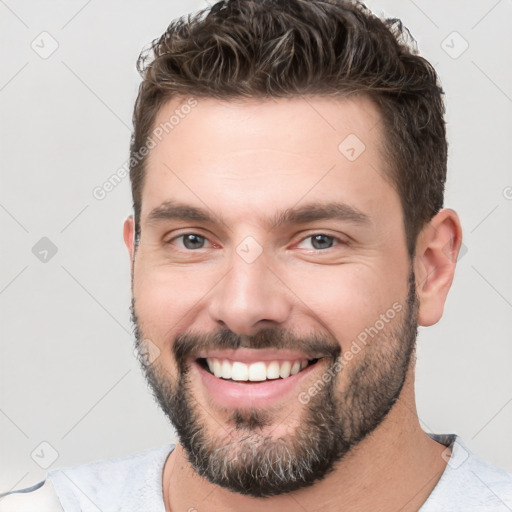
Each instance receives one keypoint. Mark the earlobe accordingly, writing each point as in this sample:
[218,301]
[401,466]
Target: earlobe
[437,249]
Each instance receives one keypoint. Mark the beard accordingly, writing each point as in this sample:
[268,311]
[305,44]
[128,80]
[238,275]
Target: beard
[332,422]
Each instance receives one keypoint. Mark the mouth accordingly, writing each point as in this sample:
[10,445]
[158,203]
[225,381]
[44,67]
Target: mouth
[228,383]
[258,371]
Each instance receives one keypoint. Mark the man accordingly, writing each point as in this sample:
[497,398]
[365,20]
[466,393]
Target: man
[288,168]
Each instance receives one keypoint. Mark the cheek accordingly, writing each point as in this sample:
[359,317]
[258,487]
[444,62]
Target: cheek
[349,299]
[168,300]
[160,300]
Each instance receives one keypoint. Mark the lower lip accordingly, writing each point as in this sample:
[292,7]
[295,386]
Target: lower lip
[249,394]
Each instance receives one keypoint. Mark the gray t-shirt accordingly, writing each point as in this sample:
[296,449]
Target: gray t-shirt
[134,483]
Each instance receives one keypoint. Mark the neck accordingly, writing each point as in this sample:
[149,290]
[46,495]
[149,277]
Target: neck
[394,468]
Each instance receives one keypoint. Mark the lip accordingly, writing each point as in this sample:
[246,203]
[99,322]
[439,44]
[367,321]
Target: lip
[247,394]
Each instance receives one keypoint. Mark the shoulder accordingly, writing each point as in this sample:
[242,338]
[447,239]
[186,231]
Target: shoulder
[38,498]
[495,484]
[469,483]
[117,469]
[133,482]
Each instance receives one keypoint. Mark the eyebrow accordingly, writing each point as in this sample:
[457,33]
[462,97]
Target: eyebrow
[310,212]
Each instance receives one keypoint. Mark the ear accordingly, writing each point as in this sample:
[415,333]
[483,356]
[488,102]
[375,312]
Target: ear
[129,236]
[437,249]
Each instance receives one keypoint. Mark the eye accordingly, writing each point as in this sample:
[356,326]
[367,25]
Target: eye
[190,241]
[321,241]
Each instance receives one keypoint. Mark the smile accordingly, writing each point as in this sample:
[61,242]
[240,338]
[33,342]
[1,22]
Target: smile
[254,378]
[255,372]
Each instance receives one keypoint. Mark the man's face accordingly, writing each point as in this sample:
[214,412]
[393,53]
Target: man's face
[262,281]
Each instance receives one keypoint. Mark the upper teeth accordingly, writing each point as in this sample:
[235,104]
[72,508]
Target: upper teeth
[259,371]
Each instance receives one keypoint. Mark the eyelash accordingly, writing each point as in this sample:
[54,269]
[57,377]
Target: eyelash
[312,235]
[337,241]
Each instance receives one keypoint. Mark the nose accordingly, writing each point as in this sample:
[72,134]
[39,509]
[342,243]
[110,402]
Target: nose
[249,297]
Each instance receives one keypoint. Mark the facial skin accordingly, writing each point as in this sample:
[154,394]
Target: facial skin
[245,163]
[253,461]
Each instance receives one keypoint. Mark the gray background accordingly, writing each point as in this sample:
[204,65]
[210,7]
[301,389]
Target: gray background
[68,375]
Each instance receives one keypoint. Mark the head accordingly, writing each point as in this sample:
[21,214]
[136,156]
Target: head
[288,165]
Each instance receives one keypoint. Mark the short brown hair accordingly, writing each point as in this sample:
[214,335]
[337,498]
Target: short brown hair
[288,48]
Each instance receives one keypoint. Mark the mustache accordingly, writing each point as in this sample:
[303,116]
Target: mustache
[189,345]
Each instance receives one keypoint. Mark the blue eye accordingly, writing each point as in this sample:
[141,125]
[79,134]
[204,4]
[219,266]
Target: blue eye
[191,241]
[320,241]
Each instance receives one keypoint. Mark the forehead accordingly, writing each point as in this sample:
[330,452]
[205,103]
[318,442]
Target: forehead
[268,123]
[259,151]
